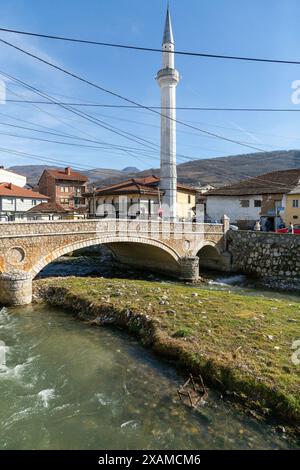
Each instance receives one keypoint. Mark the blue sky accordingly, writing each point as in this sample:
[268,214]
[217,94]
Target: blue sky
[268,28]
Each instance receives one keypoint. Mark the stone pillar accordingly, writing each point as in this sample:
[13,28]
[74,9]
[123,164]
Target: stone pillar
[190,268]
[226,227]
[15,288]
[226,223]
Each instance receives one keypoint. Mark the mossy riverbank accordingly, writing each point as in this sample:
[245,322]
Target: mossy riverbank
[241,345]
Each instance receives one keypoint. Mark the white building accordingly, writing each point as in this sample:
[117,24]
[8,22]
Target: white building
[7,176]
[243,210]
[14,200]
[265,197]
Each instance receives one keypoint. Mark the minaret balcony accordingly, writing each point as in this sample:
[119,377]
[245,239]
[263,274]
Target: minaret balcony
[168,76]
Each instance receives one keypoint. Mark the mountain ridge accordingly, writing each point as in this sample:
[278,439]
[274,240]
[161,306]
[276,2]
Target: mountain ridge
[217,171]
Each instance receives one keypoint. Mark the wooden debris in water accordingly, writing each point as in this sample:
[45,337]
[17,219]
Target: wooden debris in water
[193,391]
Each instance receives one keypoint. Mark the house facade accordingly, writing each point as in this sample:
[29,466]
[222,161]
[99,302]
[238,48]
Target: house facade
[7,176]
[292,207]
[139,197]
[64,187]
[270,198]
[16,201]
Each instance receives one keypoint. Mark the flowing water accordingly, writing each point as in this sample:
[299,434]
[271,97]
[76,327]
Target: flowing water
[67,385]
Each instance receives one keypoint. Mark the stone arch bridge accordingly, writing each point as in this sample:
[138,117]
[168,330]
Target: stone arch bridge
[172,248]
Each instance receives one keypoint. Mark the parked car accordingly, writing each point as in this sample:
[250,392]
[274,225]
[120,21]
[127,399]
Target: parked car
[287,230]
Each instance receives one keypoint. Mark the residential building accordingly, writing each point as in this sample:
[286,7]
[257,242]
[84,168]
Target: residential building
[53,211]
[272,198]
[7,176]
[292,207]
[205,188]
[64,187]
[46,211]
[140,197]
[15,201]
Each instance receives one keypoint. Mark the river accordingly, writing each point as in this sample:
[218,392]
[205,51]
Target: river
[67,385]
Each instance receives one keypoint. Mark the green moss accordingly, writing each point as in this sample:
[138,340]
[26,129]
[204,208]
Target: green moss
[182,333]
[240,344]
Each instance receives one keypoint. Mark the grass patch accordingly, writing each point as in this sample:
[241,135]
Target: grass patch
[240,344]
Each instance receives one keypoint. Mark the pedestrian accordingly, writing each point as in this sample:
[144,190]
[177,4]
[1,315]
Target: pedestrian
[268,226]
[257,226]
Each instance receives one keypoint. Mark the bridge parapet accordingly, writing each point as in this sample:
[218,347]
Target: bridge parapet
[23,229]
[27,247]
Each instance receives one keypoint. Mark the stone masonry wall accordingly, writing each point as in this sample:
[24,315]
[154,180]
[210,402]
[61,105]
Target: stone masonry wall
[271,257]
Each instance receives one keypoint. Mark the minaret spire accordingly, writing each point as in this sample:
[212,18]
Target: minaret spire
[168,32]
[168,79]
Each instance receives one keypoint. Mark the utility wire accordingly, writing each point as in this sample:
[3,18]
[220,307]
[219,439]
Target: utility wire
[181,108]
[90,118]
[117,95]
[136,104]
[151,49]
[85,116]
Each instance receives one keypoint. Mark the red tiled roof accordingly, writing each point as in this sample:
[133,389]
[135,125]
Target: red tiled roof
[147,185]
[8,189]
[64,175]
[48,207]
[277,182]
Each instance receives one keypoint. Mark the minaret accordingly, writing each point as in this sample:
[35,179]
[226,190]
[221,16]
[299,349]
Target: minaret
[168,79]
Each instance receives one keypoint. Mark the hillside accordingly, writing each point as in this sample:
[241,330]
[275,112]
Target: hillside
[225,170]
[216,171]
[33,173]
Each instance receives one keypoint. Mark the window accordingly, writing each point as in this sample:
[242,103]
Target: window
[189,199]
[295,203]
[245,203]
[257,203]
[295,217]
[34,202]
[64,200]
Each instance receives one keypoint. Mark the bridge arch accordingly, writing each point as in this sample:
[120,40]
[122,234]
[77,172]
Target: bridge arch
[204,244]
[138,251]
[211,257]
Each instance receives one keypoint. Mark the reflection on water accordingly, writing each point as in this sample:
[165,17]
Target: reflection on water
[67,385]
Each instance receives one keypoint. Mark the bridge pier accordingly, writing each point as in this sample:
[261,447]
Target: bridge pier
[15,288]
[190,268]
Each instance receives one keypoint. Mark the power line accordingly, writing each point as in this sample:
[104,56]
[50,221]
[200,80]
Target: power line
[136,104]
[181,108]
[44,159]
[151,49]
[117,95]
[85,116]
[92,119]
